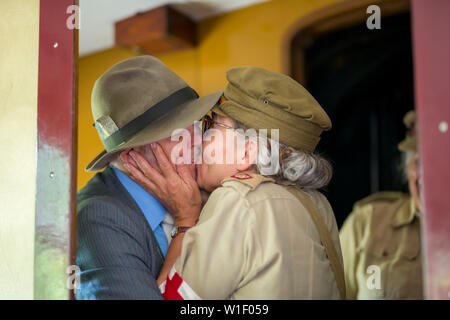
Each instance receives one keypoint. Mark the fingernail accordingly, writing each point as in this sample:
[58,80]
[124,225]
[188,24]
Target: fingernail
[153,146]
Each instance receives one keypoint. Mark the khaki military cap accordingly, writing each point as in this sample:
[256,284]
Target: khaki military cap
[262,99]
[410,141]
[140,101]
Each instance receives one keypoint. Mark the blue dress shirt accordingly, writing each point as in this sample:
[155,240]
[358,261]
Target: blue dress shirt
[153,210]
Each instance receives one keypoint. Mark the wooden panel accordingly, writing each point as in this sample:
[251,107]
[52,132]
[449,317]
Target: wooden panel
[159,30]
[56,166]
[431,23]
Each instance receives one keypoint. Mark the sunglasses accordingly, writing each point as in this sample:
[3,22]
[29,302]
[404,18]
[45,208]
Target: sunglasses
[208,121]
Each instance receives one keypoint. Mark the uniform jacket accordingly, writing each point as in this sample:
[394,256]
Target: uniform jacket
[381,248]
[255,240]
[117,251]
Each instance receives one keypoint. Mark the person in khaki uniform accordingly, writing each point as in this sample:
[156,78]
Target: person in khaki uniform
[381,237]
[254,240]
[265,231]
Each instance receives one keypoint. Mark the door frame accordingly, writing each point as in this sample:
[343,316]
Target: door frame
[56,152]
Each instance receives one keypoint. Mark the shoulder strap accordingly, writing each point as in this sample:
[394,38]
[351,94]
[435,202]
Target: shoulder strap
[251,180]
[325,238]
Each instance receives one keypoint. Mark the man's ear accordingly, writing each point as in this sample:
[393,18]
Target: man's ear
[251,152]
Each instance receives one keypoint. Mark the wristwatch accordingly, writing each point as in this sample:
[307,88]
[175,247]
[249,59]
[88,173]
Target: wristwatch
[177,229]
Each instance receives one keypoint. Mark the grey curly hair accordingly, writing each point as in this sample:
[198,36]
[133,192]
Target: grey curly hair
[302,168]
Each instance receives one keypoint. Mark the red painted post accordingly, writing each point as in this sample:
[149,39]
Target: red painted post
[56,166]
[431,41]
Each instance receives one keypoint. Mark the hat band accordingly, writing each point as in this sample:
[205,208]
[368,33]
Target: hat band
[155,112]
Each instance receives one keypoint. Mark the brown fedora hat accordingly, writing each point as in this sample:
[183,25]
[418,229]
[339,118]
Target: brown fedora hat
[139,101]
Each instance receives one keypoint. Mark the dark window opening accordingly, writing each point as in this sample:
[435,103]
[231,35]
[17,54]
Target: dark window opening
[364,80]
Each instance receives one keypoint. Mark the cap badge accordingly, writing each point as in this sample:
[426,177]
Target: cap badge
[105,126]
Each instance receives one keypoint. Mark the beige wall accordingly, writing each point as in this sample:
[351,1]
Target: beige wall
[19,39]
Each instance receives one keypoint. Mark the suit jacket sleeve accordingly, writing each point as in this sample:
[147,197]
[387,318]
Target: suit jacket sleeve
[113,255]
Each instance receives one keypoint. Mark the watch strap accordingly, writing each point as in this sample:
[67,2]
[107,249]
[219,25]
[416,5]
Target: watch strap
[180,229]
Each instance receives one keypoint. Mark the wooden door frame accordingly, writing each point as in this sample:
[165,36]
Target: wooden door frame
[431,56]
[56,151]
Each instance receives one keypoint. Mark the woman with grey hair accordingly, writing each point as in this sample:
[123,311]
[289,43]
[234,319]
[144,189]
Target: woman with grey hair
[265,231]
[302,168]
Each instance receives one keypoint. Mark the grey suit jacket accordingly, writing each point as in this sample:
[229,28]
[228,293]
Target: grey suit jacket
[117,251]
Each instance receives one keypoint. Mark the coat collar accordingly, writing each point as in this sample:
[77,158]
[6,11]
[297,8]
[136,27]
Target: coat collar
[405,213]
[250,179]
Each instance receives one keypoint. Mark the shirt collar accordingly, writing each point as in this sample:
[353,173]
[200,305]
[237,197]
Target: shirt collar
[153,210]
[405,213]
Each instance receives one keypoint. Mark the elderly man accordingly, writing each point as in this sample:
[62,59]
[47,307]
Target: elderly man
[123,231]
[381,237]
